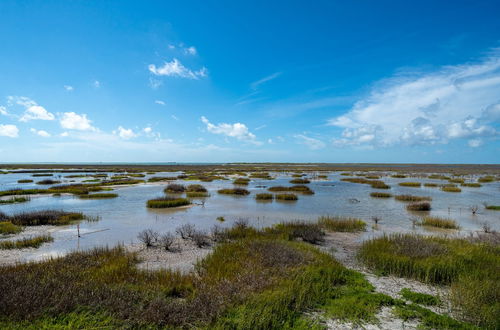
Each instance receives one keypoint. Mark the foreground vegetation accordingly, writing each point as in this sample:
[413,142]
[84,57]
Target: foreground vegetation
[30,242]
[469,266]
[39,218]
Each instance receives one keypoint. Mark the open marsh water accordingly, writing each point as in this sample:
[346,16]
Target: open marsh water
[122,218]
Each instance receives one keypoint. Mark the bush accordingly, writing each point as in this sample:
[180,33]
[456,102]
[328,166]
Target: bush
[8,228]
[342,224]
[286,197]
[186,231]
[167,202]
[308,232]
[380,195]
[166,241]
[419,206]
[31,242]
[200,238]
[148,236]
[264,196]
[439,223]
[234,191]
[175,188]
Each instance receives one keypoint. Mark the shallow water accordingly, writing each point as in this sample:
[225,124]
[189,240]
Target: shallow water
[122,218]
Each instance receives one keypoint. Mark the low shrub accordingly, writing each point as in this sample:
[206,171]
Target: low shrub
[167,202]
[186,231]
[148,237]
[175,188]
[286,197]
[234,191]
[342,224]
[264,196]
[380,195]
[410,184]
[200,239]
[31,242]
[419,206]
[439,222]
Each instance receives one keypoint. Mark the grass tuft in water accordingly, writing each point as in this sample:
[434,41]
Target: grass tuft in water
[439,222]
[31,242]
[167,202]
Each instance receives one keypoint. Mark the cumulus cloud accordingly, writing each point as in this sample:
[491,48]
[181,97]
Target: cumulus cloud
[237,130]
[41,133]
[9,131]
[311,143]
[125,133]
[74,121]
[454,102]
[32,111]
[3,111]
[190,50]
[176,69]
[68,88]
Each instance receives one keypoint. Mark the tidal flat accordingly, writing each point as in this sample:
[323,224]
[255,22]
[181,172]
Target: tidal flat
[219,224]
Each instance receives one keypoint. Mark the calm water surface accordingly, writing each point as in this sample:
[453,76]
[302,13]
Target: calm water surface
[123,217]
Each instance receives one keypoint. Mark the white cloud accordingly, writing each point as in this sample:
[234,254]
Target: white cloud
[176,69]
[41,133]
[190,50]
[171,46]
[174,117]
[311,143]
[3,111]
[474,143]
[160,102]
[9,131]
[96,83]
[453,102]
[125,133]
[68,88]
[237,130]
[259,82]
[147,130]
[64,134]
[154,83]
[74,121]
[32,111]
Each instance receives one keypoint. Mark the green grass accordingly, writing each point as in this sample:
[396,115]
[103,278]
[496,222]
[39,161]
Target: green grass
[420,298]
[410,184]
[14,200]
[343,224]
[24,181]
[419,206]
[451,189]
[44,217]
[264,196]
[493,207]
[241,181]
[32,242]
[470,268]
[234,191]
[300,181]
[380,195]
[99,196]
[286,197]
[412,198]
[8,228]
[167,202]
[439,222]
[196,194]
[429,319]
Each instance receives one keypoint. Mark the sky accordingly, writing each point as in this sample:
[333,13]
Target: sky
[257,81]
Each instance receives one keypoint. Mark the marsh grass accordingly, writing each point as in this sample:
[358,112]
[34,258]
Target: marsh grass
[471,268]
[196,188]
[419,206]
[174,188]
[241,181]
[8,228]
[342,224]
[24,181]
[264,197]
[410,184]
[300,181]
[48,181]
[15,200]
[420,298]
[471,184]
[196,194]
[439,222]
[377,184]
[31,242]
[162,178]
[167,202]
[398,176]
[412,198]
[303,189]
[234,191]
[99,196]
[485,179]
[492,207]
[451,189]
[286,197]
[430,185]
[380,195]
[47,217]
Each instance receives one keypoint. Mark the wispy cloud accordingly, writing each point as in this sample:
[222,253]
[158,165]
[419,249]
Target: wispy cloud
[160,102]
[311,143]
[41,133]
[259,82]
[454,102]
[175,68]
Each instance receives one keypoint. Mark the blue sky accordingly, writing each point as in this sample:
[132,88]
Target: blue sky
[220,81]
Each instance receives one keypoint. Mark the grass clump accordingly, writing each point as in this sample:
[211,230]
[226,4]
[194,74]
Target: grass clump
[430,185]
[451,189]
[410,184]
[47,217]
[300,181]
[380,195]
[492,207]
[162,178]
[429,319]
[303,189]
[469,267]
[196,188]
[195,194]
[8,228]
[286,197]
[419,206]
[24,181]
[48,181]
[175,188]
[398,176]
[420,298]
[412,198]
[234,191]
[342,224]
[376,184]
[439,222]
[264,197]
[32,242]
[14,200]
[471,185]
[488,178]
[167,202]
[241,181]
[99,196]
